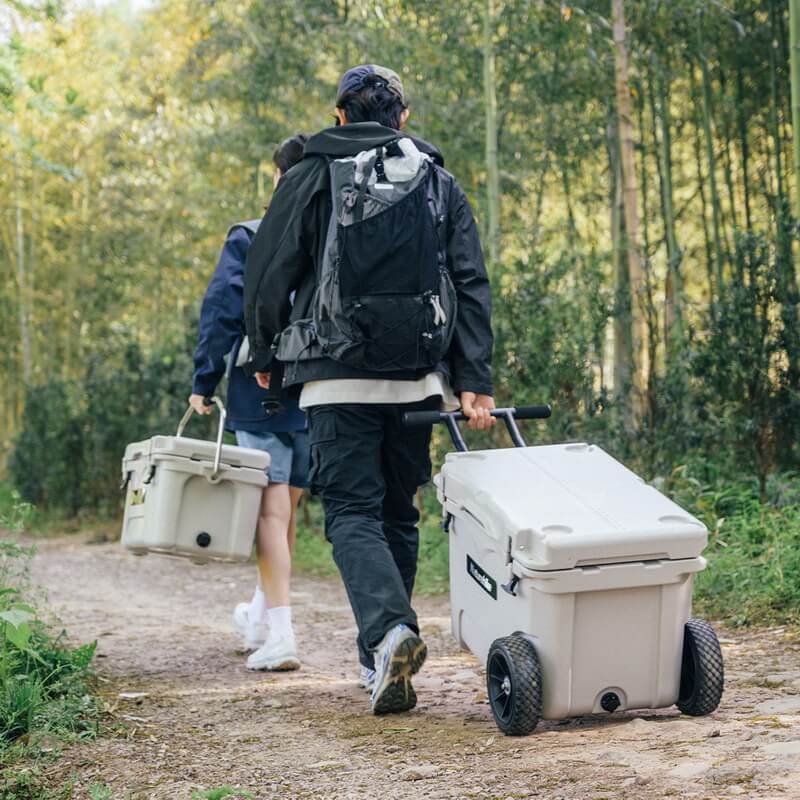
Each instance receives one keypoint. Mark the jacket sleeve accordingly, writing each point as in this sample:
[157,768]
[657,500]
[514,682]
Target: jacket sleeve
[471,349]
[277,261]
[221,322]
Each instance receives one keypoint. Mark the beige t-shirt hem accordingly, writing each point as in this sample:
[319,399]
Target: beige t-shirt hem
[369,390]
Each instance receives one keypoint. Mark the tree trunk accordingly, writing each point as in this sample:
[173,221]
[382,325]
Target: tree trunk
[346,38]
[650,311]
[794,43]
[712,170]
[744,144]
[490,101]
[623,350]
[698,159]
[673,310]
[787,278]
[631,212]
[22,275]
[726,155]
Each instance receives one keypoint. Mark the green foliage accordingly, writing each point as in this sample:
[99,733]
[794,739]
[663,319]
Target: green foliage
[100,791]
[312,552]
[48,456]
[753,574]
[44,683]
[69,461]
[313,556]
[221,792]
[28,783]
[15,514]
[434,565]
[125,169]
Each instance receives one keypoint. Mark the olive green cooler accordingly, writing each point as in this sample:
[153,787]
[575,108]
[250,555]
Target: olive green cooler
[192,498]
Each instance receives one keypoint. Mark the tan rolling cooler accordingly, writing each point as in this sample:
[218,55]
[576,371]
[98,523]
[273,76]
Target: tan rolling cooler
[571,579]
[192,498]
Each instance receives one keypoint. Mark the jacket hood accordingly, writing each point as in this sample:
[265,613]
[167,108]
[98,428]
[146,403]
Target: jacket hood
[349,140]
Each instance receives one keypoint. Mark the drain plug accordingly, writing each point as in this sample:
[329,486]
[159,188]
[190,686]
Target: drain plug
[609,702]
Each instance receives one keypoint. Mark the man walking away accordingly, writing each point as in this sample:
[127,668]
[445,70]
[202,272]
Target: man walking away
[392,314]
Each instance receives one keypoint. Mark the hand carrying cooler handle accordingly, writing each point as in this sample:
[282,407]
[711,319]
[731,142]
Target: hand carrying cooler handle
[220,431]
[451,418]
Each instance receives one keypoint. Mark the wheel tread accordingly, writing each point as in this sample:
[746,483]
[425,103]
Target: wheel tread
[709,670]
[526,684]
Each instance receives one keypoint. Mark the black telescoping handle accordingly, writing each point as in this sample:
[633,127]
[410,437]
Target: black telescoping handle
[452,418]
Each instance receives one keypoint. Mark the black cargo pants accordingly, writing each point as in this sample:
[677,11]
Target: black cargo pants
[366,467]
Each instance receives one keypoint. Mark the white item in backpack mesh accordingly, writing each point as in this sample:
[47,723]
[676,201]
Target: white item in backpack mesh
[397,169]
[175,504]
[601,565]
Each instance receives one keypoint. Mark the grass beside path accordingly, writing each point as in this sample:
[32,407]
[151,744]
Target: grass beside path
[753,574]
[313,556]
[45,684]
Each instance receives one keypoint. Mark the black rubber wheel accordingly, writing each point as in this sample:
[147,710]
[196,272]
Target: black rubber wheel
[514,684]
[702,671]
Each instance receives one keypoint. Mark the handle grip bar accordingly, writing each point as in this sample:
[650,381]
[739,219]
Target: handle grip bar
[451,418]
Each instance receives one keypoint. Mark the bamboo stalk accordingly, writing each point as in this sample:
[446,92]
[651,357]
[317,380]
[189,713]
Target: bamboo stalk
[712,168]
[698,158]
[22,275]
[490,101]
[745,146]
[631,212]
[673,311]
[623,356]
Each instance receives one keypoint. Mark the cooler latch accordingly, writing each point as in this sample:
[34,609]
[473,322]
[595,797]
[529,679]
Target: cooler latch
[448,519]
[511,586]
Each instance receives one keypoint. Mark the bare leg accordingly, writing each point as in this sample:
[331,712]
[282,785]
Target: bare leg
[279,652]
[274,558]
[295,494]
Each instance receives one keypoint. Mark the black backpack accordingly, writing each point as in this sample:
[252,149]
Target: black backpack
[385,300]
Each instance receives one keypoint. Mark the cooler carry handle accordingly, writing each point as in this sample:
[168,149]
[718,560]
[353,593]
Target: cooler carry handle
[452,418]
[220,431]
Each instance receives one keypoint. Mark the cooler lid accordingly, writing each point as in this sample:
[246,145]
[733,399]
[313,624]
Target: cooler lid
[196,450]
[567,505]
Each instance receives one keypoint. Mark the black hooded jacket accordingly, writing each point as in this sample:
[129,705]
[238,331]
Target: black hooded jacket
[287,251]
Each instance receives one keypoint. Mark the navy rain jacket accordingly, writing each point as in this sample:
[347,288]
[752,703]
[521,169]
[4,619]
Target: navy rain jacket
[222,332]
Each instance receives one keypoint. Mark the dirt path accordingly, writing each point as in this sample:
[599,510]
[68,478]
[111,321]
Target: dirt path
[163,629]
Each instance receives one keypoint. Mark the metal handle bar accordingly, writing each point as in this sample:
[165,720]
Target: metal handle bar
[452,418]
[220,431]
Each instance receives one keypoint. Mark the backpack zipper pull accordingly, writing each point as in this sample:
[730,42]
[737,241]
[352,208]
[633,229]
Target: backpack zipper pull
[439,317]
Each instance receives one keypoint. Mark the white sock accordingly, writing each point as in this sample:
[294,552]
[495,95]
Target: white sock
[257,610]
[280,621]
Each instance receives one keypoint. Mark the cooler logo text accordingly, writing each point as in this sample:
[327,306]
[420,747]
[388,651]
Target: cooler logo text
[486,582]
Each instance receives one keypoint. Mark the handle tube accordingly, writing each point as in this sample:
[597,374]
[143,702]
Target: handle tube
[533,412]
[220,430]
[509,416]
[414,419]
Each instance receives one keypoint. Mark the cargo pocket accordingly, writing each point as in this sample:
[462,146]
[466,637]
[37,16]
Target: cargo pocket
[321,431]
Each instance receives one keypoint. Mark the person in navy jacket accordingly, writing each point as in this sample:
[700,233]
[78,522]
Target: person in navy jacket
[265,622]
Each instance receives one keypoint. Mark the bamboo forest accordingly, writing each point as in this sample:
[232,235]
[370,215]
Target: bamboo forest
[608,609]
[632,164]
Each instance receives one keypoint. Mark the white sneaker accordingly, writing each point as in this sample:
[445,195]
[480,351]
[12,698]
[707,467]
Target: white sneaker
[366,678]
[254,633]
[275,654]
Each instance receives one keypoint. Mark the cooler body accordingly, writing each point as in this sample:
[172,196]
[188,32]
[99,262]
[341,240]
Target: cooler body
[176,504]
[566,545]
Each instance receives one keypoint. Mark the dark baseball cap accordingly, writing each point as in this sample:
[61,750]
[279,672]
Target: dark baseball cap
[354,80]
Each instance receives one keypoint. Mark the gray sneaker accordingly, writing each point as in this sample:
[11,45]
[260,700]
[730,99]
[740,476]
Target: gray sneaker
[400,655]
